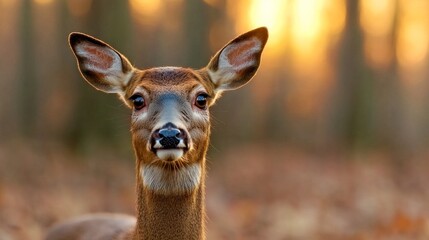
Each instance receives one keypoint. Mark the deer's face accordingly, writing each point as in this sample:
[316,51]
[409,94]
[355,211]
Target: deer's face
[170,120]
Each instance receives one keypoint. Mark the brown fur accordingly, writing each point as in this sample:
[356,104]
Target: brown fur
[179,213]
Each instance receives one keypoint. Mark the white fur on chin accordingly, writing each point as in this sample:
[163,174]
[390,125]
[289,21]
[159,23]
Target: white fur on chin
[180,181]
[169,154]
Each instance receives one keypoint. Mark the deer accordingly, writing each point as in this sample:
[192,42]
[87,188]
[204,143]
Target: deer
[170,129]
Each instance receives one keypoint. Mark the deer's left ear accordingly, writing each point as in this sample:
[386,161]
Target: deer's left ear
[236,63]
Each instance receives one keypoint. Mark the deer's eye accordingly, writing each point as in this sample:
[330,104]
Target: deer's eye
[201,101]
[138,101]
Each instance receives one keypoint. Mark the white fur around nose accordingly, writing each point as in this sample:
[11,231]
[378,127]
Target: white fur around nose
[163,181]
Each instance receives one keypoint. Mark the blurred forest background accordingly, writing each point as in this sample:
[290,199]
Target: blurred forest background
[329,141]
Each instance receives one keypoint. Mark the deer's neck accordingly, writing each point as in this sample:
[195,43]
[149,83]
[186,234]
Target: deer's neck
[170,216]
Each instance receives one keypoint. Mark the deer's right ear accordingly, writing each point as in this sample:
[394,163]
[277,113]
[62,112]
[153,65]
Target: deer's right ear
[236,63]
[100,64]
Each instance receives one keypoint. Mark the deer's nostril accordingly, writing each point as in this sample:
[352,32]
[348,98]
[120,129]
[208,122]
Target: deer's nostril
[169,142]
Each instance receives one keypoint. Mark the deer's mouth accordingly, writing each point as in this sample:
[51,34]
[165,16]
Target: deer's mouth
[171,154]
[169,148]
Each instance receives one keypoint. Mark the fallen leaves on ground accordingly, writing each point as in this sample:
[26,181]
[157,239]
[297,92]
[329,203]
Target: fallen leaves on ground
[253,192]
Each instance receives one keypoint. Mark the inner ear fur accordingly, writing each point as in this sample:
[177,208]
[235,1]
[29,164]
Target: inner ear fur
[101,65]
[237,62]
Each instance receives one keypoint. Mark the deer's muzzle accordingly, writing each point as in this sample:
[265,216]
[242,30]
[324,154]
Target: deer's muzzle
[169,137]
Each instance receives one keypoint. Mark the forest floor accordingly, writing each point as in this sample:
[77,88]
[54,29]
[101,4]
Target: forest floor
[253,192]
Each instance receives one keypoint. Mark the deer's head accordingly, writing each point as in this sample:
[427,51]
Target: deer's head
[170,121]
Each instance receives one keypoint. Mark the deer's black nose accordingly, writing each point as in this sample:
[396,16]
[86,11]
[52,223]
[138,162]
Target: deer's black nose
[168,137]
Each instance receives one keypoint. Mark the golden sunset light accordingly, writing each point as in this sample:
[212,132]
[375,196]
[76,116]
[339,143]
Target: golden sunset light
[305,27]
[413,36]
[273,14]
[376,17]
[146,8]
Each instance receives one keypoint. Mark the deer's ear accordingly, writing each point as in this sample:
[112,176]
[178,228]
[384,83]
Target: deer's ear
[100,64]
[236,63]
